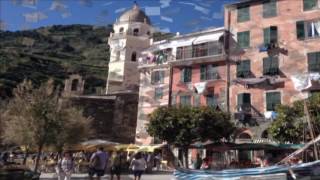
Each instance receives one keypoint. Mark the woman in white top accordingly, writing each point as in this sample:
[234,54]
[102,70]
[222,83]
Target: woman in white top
[65,167]
[138,165]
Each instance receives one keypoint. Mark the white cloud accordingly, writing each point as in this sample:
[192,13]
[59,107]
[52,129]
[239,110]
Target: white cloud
[120,10]
[66,14]
[205,18]
[165,3]
[152,11]
[202,9]
[34,16]
[217,15]
[58,6]
[107,4]
[164,18]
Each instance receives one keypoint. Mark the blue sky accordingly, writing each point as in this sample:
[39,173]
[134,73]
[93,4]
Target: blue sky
[168,15]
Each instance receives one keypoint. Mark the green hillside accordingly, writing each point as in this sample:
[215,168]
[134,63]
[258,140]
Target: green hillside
[56,52]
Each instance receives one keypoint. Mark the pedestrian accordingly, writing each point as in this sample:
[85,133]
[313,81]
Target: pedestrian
[116,165]
[65,167]
[98,163]
[138,165]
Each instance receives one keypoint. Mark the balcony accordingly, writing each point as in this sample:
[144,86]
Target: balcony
[248,115]
[199,54]
[154,61]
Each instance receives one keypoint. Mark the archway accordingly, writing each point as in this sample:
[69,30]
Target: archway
[74,85]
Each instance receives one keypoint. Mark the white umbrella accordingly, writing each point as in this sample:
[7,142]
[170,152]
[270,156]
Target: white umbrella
[97,142]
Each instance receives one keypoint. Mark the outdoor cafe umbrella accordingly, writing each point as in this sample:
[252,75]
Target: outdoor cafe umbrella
[150,148]
[94,143]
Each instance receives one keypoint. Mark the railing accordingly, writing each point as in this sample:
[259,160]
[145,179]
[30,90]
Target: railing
[248,109]
[155,60]
[190,52]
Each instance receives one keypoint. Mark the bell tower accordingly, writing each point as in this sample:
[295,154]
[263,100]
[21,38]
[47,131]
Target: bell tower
[131,36]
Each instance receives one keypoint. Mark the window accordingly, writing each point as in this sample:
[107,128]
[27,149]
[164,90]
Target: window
[134,56]
[117,55]
[244,102]
[208,72]
[314,62]
[243,39]
[121,30]
[308,29]
[243,13]
[186,74]
[211,100]
[74,85]
[157,77]
[269,8]
[185,100]
[310,4]
[243,69]
[272,100]
[196,100]
[136,32]
[270,35]
[271,66]
[158,93]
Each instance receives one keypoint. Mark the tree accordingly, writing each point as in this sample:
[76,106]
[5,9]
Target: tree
[37,117]
[181,126]
[290,124]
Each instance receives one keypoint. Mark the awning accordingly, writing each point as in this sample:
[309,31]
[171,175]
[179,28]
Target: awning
[208,38]
[184,42]
[251,81]
[200,87]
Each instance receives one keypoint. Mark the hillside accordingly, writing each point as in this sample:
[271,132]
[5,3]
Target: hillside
[56,52]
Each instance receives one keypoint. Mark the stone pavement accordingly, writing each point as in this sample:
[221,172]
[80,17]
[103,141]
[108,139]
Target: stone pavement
[155,176]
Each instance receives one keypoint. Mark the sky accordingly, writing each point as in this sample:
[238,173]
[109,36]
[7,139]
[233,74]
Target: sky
[182,16]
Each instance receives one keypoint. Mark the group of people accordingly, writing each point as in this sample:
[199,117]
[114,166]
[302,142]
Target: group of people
[100,162]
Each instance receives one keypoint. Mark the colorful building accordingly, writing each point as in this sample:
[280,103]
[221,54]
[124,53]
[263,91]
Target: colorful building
[276,40]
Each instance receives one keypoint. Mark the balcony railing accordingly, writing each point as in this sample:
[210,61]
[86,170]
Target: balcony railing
[154,60]
[189,52]
[247,110]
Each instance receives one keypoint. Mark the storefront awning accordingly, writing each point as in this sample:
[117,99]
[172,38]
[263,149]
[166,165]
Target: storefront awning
[208,38]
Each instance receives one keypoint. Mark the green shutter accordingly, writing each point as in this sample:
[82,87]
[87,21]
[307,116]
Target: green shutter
[188,74]
[185,100]
[158,93]
[300,30]
[266,66]
[240,99]
[270,8]
[272,100]
[243,39]
[161,76]
[312,62]
[243,14]
[239,69]
[309,4]
[266,36]
[203,71]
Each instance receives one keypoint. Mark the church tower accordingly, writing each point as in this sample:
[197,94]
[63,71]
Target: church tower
[131,36]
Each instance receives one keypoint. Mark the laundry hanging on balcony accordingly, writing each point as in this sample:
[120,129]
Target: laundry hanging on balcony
[200,87]
[250,81]
[303,81]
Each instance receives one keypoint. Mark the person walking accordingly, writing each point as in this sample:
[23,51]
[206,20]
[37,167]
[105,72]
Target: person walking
[98,163]
[65,167]
[116,165]
[138,166]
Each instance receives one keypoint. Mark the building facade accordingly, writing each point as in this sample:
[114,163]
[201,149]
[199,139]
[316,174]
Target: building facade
[190,68]
[275,41]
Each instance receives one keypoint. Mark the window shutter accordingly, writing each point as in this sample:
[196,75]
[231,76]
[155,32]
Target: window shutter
[312,62]
[197,100]
[203,69]
[266,36]
[189,74]
[300,30]
[152,77]
[243,14]
[239,69]
[266,66]
[162,74]
[182,71]
[240,99]
[269,8]
[309,4]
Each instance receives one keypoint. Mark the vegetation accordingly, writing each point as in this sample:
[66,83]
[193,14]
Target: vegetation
[291,125]
[54,52]
[181,126]
[37,117]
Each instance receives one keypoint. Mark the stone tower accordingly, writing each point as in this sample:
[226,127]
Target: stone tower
[131,36]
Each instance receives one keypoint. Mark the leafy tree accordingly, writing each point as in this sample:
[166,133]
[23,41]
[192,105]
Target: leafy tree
[181,126]
[290,123]
[37,117]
